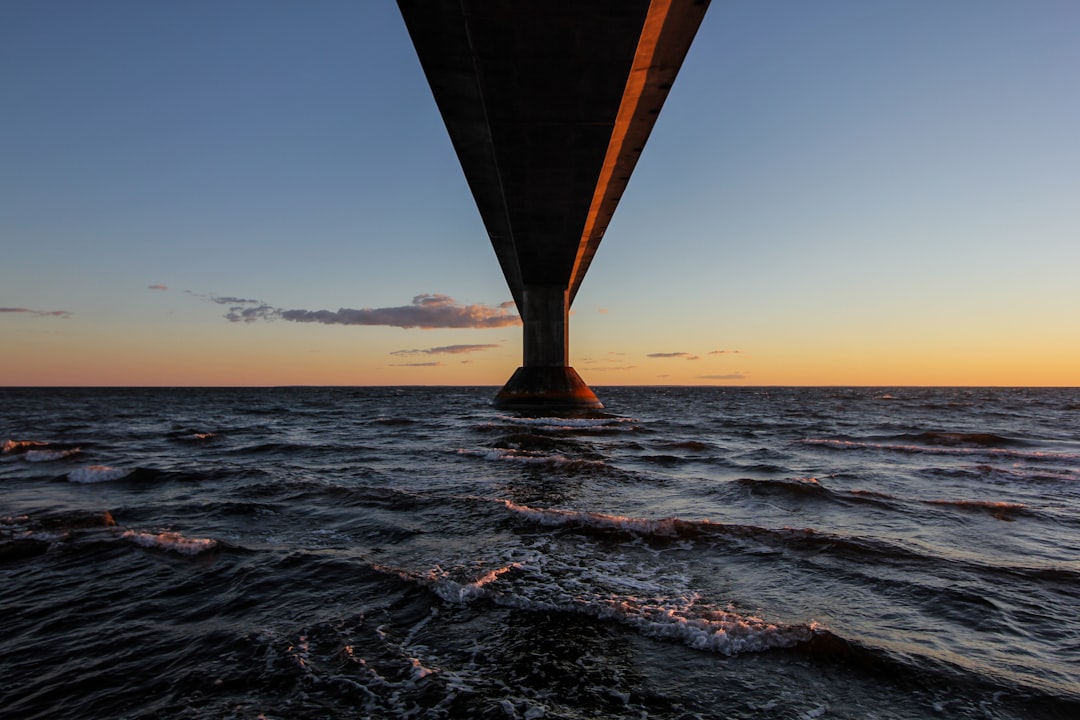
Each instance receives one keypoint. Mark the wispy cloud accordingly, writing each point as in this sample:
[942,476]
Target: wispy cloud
[688,356]
[446,350]
[729,376]
[421,364]
[426,311]
[725,352]
[38,313]
[157,287]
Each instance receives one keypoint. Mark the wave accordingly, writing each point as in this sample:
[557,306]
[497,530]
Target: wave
[528,456]
[959,438]
[999,510]
[663,530]
[810,488]
[98,473]
[392,421]
[855,549]
[580,424]
[794,486]
[196,436]
[36,456]
[696,445]
[684,618]
[18,446]
[664,460]
[939,448]
[35,451]
[25,536]
[55,525]
[170,541]
[668,527]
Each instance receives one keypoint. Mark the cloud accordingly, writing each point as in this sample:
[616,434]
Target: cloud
[446,350]
[686,355]
[157,287]
[227,300]
[260,311]
[611,368]
[426,312]
[423,364]
[729,376]
[725,352]
[38,313]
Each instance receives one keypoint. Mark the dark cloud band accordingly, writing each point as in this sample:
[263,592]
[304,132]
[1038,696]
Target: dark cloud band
[426,312]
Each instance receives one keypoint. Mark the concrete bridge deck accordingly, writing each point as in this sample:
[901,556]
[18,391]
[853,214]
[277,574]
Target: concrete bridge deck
[548,105]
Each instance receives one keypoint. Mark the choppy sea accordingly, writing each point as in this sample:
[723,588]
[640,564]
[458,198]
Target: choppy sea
[416,553]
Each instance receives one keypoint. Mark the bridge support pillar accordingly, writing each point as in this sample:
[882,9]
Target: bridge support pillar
[545,380]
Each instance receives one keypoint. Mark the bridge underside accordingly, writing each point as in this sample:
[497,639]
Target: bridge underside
[548,105]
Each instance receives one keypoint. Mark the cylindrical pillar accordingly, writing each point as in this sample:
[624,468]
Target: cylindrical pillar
[546,330]
[545,381]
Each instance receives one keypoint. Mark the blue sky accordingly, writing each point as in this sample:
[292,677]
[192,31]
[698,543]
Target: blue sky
[835,193]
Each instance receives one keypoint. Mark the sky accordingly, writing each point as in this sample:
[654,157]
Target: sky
[262,192]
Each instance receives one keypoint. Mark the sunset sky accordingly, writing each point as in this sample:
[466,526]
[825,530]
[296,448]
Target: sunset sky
[261,192]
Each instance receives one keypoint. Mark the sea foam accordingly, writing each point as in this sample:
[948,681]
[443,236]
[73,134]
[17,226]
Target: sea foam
[97,473]
[49,455]
[675,613]
[12,446]
[552,517]
[172,541]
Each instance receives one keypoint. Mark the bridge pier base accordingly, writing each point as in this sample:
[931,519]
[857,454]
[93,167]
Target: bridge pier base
[547,388]
[545,380]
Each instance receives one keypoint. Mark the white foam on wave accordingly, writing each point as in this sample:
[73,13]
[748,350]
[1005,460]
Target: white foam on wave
[34,451]
[463,592]
[172,541]
[658,601]
[49,455]
[11,446]
[97,473]
[552,517]
[723,631]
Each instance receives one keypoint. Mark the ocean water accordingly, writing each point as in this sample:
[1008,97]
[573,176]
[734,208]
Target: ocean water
[416,553]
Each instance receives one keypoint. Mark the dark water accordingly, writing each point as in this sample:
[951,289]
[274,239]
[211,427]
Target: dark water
[691,553]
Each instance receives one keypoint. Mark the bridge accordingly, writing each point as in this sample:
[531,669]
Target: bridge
[549,104]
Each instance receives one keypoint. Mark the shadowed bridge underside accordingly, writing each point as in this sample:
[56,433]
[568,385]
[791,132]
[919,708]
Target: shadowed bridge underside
[548,105]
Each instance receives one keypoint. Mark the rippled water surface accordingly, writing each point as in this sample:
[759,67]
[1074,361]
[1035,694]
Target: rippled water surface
[685,553]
